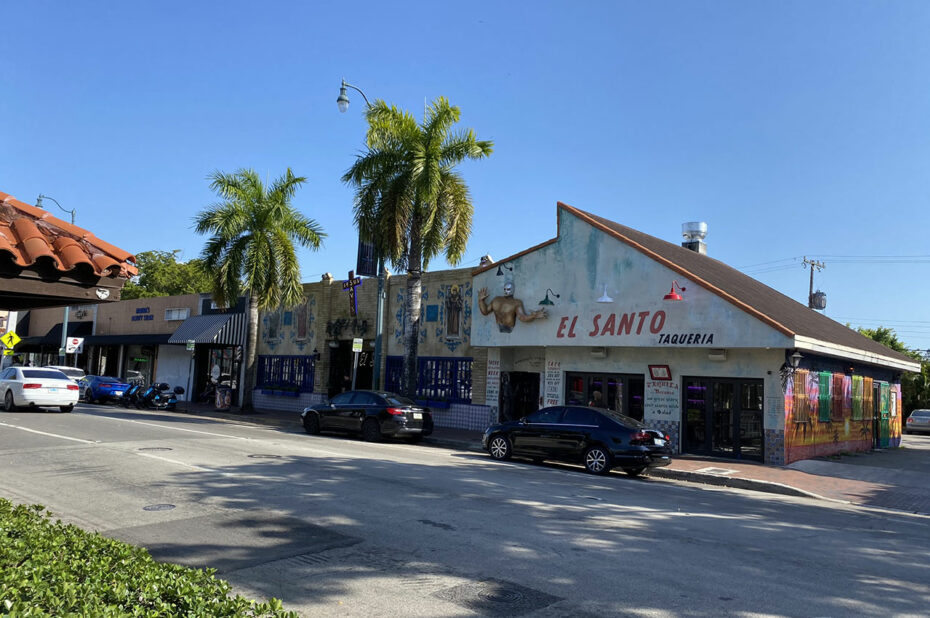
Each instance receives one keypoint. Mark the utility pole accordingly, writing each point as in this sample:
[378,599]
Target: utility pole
[819,266]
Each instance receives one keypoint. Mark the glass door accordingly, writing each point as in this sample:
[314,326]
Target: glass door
[723,418]
[696,419]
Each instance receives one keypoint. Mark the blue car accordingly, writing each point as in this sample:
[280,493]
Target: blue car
[101,388]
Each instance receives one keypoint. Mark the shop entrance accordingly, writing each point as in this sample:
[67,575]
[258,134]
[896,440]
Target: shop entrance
[341,359]
[519,394]
[619,392]
[723,418]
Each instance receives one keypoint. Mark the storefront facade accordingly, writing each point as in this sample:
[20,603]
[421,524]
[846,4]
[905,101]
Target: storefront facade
[605,315]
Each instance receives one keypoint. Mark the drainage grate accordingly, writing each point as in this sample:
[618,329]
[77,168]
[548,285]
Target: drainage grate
[264,457]
[158,507]
[717,471]
[497,598]
[154,448]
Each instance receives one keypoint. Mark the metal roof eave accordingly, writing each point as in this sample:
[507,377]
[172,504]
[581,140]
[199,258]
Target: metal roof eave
[832,349]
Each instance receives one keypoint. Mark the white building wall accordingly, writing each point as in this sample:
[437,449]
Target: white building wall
[174,367]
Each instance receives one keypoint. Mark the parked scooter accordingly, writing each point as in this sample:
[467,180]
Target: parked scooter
[158,397]
[130,396]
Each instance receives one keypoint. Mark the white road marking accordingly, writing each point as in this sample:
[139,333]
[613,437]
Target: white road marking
[175,461]
[206,433]
[53,435]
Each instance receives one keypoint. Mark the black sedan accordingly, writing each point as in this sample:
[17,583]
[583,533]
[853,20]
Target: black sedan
[597,438]
[371,414]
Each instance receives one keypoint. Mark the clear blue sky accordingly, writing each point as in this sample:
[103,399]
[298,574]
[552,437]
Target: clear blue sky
[791,128]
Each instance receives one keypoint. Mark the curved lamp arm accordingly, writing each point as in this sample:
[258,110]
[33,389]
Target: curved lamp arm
[39,205]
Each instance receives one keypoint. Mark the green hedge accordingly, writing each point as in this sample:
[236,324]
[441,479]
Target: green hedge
[48,568]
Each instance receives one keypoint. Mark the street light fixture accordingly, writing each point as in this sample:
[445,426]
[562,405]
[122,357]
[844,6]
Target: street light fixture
[62,357]
[342,102]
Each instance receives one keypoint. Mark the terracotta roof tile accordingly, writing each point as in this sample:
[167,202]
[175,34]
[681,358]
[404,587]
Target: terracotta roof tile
[28,234]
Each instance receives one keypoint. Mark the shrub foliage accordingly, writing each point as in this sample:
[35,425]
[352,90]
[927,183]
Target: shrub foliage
[48,568]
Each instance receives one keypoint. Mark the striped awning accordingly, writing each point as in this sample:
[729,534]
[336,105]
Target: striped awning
[219,328]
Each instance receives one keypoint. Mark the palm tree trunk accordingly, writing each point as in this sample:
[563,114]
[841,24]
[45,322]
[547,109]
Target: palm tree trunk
[414,298]
[250,352]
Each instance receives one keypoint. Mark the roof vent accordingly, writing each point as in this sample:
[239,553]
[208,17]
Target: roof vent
[694,233]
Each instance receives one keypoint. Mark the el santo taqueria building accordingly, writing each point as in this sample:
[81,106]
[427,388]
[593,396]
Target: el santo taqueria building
[663,333]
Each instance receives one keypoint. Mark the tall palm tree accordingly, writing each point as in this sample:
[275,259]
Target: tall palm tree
[251,248]
[410,201]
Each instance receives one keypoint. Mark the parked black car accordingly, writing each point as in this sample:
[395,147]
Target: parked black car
[597,438]
[372,414]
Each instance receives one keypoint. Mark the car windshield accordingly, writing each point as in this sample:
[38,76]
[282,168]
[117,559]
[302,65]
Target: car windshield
[398,400]
[623,419]
[921,413]
[49,374]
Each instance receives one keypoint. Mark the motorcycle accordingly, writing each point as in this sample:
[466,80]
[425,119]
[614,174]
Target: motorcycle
[158,397]
[130,396]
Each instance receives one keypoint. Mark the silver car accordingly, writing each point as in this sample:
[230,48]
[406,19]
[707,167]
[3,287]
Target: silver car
[918,421]
[37,386]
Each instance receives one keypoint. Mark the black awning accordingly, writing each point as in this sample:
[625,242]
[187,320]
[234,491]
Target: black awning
[144,339]
[53,337]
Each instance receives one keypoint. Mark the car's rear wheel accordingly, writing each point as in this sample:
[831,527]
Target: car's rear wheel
[66,409]
[597,460]
[500,448]
[8,404]
[371,430]
[635,471]
[311,423]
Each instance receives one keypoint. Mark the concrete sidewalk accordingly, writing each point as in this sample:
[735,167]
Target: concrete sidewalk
[850,479]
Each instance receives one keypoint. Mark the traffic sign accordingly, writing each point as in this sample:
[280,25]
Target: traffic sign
[10,339]
[74,344]
[356,345]
[8,352]
[190,345]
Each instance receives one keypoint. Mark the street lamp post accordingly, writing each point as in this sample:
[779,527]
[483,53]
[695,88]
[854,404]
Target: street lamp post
[342,101]
[62,357]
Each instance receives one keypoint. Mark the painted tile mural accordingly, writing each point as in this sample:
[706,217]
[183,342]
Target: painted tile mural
[830,413]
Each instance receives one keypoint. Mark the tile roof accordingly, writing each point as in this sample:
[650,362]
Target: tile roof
[29,234]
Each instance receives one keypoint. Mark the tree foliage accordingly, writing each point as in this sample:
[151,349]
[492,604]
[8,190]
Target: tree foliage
[161,274]
[915,387]
[410,201]
[251,248]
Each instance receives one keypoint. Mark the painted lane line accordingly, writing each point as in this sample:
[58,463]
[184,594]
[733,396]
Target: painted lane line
[176,462]
[53,435]
[206,433]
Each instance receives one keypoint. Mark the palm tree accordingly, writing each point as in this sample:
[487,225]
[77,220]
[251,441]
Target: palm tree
[410,201]
[251,248]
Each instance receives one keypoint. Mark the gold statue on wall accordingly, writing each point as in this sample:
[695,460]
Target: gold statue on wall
[507,309]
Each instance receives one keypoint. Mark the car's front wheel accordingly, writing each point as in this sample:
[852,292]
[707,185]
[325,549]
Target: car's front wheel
[597,460]
[500,448]
[311,423]
[371,430]
[8,404]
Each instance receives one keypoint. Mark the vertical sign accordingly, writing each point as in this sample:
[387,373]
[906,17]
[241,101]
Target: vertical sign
[350,284]
[554,383]
[493,387]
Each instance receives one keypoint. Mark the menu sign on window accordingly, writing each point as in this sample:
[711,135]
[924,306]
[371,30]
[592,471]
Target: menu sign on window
[554,384]
[662,400]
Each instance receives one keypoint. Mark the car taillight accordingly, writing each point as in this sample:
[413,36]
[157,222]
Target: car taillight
[395,411]
[640,437]
[73,387]
[30,385]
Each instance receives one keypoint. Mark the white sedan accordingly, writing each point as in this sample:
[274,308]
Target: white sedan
[35,386]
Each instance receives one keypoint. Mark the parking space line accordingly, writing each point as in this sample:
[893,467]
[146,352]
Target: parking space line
[53,435]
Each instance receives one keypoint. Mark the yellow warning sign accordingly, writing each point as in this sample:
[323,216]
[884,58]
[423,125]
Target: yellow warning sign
[10,339]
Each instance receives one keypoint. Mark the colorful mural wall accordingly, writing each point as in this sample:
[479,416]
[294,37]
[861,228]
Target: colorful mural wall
[831,413]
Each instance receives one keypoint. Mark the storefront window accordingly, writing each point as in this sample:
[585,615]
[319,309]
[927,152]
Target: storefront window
[619,392]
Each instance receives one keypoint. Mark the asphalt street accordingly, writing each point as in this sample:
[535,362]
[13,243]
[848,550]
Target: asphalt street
[336,526]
